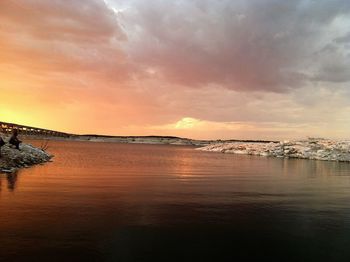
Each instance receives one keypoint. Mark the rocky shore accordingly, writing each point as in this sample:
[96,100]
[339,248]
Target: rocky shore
[12,159]
[317,149]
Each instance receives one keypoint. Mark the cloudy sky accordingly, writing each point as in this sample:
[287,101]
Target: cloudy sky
[266,69]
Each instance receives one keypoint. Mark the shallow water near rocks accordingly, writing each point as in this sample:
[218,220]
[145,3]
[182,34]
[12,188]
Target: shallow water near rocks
[128,202]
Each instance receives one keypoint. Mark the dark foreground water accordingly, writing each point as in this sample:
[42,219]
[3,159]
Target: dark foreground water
[115,202]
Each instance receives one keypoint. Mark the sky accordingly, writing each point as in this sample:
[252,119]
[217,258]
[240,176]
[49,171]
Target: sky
[205,69]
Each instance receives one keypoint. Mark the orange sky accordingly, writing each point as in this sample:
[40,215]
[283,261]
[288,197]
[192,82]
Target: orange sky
[200,69]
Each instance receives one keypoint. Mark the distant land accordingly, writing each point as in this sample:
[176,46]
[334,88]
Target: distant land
[29,132]
[153,139]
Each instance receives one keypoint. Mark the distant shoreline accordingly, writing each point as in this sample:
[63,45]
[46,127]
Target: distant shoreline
[158,140]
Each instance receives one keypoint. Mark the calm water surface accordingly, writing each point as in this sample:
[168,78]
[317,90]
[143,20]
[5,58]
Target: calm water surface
[119,202]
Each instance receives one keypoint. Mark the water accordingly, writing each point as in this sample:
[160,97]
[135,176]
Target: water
[124,202]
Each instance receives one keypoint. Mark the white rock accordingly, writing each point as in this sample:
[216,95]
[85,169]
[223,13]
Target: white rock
[321,149]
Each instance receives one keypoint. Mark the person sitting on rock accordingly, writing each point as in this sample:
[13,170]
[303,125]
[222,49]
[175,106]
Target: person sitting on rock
[14,139]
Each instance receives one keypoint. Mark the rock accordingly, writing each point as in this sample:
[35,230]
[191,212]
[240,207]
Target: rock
[13,159]
[264,154]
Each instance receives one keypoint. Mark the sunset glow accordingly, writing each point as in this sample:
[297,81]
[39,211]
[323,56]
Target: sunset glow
[200,69]
[187,123]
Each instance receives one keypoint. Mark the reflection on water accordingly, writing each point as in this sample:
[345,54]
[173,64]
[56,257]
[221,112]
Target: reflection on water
[115,202]
[11,181]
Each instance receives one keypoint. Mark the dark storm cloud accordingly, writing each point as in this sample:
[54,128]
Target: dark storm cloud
[89,20]
[242,45]
[268,45]
[343,39]
[333,61]
[62,37]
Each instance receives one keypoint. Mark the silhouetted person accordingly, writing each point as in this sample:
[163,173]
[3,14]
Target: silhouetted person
[2,142]
[14,139]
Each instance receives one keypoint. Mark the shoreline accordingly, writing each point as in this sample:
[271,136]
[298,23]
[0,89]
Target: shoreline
[157,140]
[311,149]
